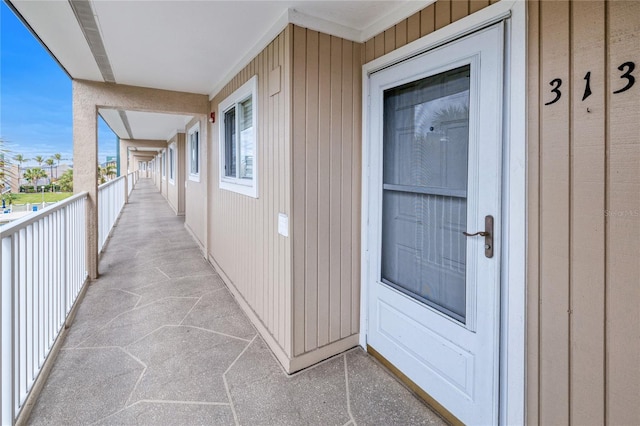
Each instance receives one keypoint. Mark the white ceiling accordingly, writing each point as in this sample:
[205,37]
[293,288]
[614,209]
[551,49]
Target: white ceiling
[145,125]
[153,125]
[57,27]
[192,46]
[112,118]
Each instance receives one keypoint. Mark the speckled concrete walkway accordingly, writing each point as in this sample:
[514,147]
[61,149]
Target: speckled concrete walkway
[159,340]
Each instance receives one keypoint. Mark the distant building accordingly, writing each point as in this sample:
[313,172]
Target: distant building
[14,178]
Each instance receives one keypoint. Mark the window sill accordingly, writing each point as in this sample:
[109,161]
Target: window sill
[194,178]
[248,190]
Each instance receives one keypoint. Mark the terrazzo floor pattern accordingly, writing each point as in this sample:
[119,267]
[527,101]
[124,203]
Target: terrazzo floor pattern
[159,340]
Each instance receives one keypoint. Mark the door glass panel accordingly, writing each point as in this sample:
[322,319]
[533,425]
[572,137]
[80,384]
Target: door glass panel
[424,211]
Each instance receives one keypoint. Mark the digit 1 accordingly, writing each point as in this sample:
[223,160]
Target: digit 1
[587,87]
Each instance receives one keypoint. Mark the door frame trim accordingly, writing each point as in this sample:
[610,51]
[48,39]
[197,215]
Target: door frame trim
[513,267]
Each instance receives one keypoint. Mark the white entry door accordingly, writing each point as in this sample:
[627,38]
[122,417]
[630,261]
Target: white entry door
[435,135]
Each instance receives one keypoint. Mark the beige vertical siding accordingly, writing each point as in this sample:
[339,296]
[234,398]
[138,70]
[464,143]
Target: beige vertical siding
[583,321]
[421,23]
[327,91]
[622,290]
[243,231]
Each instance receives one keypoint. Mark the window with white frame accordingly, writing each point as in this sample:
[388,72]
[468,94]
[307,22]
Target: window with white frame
[193,139]
[172,162]
[163,164]
[238,148]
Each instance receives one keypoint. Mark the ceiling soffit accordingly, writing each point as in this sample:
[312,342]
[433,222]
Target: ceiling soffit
[189,46]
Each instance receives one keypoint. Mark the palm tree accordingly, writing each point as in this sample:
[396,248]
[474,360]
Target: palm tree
[4,162]
[39,159]
[20,159]
[50,162]
[34,174]
[110,170]
[57,157]
[102,175]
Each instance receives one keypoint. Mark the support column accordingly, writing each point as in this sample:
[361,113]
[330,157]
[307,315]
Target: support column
[124,158]
[85,167]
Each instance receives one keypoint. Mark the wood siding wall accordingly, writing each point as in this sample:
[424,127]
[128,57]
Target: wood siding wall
[306,289]
[243,231]
[327,116]
[421,23]
[583,315]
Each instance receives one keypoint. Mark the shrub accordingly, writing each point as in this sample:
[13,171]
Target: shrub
[30,189]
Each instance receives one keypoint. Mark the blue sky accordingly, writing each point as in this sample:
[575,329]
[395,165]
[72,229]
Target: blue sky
[35,97]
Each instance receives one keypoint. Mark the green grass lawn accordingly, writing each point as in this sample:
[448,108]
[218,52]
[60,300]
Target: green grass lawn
[49,197]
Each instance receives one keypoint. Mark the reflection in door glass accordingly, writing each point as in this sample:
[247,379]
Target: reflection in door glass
[426,139]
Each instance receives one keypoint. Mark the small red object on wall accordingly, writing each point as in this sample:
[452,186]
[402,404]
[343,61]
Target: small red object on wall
[212,117]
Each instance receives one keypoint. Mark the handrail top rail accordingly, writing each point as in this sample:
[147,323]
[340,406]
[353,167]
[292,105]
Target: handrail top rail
[111,182]
[16,225]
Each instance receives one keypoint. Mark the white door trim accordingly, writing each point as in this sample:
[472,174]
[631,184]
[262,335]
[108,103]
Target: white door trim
[513,268]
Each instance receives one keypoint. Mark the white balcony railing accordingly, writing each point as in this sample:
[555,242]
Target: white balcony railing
[132,179]
[111,199]
[43,271]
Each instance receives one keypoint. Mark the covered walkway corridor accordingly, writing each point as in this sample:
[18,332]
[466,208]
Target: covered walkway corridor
[158,339]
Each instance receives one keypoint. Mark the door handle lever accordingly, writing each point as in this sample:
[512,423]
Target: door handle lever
[487,234]
[481,233]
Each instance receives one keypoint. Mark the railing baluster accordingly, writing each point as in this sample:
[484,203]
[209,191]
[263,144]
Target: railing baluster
[41,284]
[47,284]
[38,264]
[21,317]
[38,296]
[7,329]
[24,344]
[50,279]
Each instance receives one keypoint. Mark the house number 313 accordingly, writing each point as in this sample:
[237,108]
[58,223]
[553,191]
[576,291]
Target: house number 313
[627,75]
